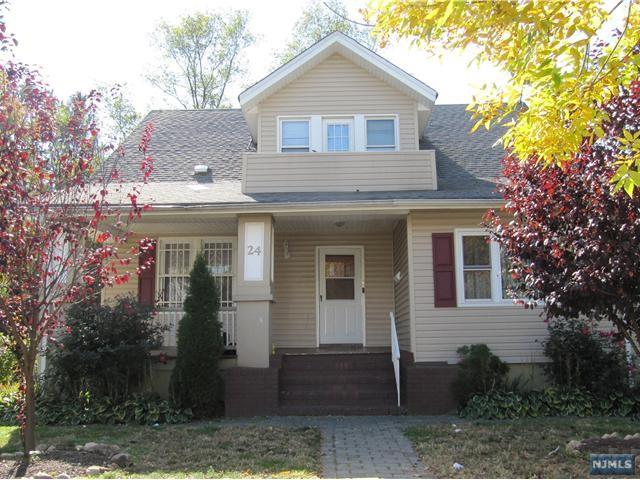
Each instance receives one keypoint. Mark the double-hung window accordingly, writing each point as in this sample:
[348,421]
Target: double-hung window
[338,135]
[381,134]
[294,135]
[482,274]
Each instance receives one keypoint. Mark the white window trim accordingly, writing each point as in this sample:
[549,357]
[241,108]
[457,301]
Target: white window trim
[307,119]
[317,131]
[496,272]
[395,133]
[326,121]
[196,246]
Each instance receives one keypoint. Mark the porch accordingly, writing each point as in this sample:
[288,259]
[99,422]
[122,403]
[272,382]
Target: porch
[305,321]
[333,279]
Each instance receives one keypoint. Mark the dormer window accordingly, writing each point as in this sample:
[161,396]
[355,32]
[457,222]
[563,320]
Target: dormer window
[294,135]
[381,134]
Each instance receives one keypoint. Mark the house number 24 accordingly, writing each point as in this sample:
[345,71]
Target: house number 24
[251,250]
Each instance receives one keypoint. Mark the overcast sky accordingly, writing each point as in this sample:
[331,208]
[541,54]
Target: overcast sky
[79,44]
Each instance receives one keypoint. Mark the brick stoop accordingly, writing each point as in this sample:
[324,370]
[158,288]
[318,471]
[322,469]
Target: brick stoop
[426,387]
[250,391]
[337,384]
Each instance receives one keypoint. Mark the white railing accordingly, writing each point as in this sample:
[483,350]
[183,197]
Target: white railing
[171,317]
[395,353]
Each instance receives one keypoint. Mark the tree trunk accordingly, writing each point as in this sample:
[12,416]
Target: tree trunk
[28,423]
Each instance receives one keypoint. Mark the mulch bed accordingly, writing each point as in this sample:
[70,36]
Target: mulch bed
[610,445]
[72,462]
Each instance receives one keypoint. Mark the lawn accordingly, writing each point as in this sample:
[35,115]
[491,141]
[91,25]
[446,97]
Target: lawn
[197,450]
[530,448]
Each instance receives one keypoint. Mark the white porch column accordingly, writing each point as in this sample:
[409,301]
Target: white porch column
[253,293]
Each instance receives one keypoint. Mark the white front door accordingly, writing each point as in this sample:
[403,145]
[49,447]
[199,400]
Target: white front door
[340,294]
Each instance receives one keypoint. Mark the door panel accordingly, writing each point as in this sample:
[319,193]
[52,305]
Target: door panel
[340,300]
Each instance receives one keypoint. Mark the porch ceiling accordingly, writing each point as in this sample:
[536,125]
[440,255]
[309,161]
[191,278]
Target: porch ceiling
[337,223]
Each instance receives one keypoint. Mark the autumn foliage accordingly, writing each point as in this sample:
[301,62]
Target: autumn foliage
[571,236]
[61,231]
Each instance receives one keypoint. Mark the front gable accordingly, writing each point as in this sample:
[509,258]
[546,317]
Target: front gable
[337,75]
[337,86]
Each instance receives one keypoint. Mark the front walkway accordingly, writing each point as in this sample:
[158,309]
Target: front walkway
[360,447]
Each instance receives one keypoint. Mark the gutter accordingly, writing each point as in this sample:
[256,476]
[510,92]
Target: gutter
[359,205]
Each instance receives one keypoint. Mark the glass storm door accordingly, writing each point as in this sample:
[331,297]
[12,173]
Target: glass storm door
[340,299]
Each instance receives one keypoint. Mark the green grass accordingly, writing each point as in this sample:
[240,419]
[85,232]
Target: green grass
[512,449]
[196,450]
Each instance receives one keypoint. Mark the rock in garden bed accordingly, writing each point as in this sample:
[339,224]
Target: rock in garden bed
[608,443]
[69,462]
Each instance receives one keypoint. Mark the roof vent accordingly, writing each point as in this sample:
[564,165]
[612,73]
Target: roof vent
[200,169]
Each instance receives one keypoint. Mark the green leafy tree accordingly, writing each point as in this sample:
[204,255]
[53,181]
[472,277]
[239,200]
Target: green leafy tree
[202,57]
[319,19]
[196,381]
[565,60]
[119,115]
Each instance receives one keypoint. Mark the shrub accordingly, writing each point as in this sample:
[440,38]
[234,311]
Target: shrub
[480,371]
[195,380]
[8,362]
[139,408]
[581,357]
[105,350]
[551,402]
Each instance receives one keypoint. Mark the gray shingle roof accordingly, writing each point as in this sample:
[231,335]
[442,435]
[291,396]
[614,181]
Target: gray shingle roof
[467,164]
[185,138]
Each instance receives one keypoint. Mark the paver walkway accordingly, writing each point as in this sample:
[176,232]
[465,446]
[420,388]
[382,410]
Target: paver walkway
[361,447]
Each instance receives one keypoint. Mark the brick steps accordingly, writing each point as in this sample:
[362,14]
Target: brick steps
[323,378]
[332,362]
[341,410]
[337,384]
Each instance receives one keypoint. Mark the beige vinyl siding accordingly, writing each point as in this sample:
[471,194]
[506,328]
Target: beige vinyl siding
[513,333]
[293,315]
[109,293]
[337,86]
[401,286]
[339,172]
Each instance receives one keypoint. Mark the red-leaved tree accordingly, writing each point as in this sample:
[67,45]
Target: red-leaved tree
[59,230]
[572,239]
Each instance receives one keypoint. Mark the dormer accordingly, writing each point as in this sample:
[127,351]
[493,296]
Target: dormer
[338,117]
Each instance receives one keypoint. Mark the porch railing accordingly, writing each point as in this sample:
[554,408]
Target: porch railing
[395,353]
[171,317]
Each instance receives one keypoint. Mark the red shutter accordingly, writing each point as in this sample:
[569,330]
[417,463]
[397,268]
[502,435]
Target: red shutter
[147,279]
[444,270]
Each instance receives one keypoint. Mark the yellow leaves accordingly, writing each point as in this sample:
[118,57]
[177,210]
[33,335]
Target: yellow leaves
[628,175]
[544,47]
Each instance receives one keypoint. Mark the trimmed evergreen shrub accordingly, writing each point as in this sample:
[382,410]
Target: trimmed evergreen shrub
[195,381]
[480,371]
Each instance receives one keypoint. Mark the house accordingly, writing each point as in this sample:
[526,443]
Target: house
[339,193]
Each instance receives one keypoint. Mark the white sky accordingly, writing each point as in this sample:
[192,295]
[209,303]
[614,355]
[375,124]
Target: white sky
[79,44]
